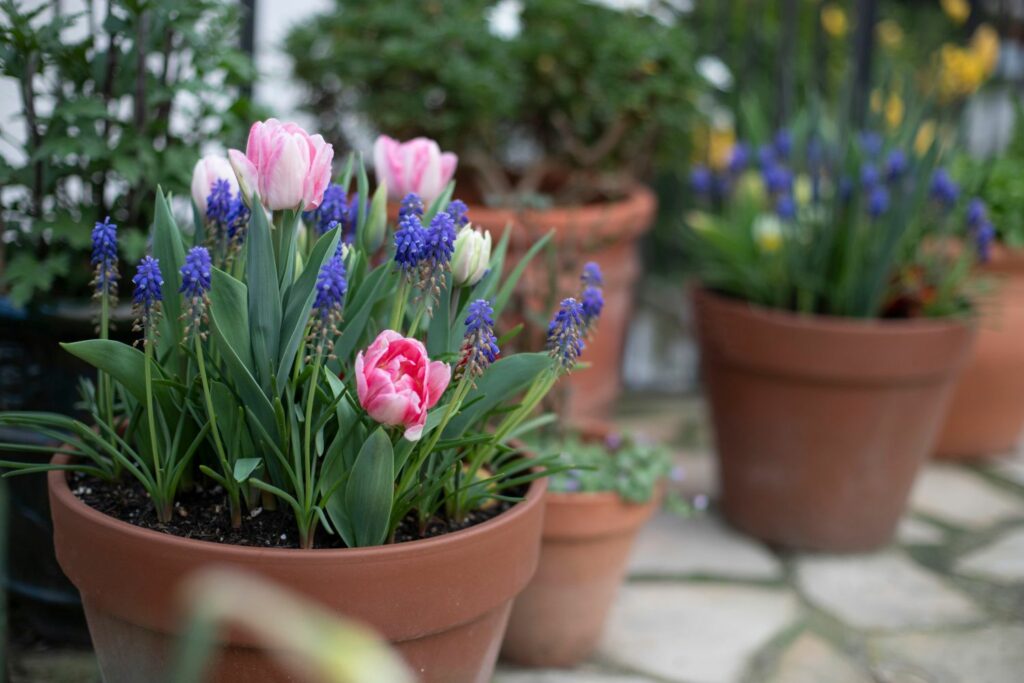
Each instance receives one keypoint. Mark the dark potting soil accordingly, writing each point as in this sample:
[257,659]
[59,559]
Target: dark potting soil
[201,513]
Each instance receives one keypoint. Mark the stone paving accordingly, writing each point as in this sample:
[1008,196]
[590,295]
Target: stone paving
[944,603]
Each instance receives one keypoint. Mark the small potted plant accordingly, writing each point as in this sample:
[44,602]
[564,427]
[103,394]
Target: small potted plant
[833,313]
[555,110]
[309,406]
[986,414]
[592,514]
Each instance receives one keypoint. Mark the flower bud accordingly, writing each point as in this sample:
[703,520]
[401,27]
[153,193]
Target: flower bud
[376,226]
[472,256]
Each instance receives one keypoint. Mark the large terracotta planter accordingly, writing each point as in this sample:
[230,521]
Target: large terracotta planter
[442,602]
[558,619]
[821,424]
[986,415]
[606,233]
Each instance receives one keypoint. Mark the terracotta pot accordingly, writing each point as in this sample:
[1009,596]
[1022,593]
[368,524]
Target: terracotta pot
[821,423]
[608,234]
[986,415]
[558,619]
[442,602]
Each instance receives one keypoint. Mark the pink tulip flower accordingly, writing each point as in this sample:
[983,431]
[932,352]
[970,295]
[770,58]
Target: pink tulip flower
[397,383]
[207,171]
[287,166]
[415,166]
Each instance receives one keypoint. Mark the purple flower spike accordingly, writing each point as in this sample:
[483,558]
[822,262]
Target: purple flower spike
[565,334]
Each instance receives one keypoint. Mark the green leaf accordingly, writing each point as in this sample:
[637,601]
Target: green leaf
[264,298]
[228,304]
[439,331]
[501,382]
[299,302]
[367,297]
[126,364]
[244,467]
[369,494]
[169,250]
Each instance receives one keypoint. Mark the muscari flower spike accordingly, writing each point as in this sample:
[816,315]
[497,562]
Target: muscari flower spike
[783,143]
[701,180]
[739,158]
[195,283]
[336,209]
[148,294]
[976,213]
[871,143]
[895,165]
[869,176]
[439,243]
[786,207]
[592,276]
[565,334]
[410,240]
[458,210]
[592,297]
[943,189]
[878,201]
[479,346]
[410,204]
[331,287]
[984,235]
[778,180]
[228,216]
[104,258]
[219,204]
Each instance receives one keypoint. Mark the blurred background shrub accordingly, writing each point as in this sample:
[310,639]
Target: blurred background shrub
[113,99]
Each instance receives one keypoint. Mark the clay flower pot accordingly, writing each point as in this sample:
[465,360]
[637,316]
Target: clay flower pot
[442,602]
[821,423]
[558,619]
[986,415]
[608,234]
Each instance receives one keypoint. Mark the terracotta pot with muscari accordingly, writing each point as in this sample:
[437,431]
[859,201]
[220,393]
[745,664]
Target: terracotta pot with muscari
[830,338]
[592,515]
[986,416]
[315,403]
[556,112]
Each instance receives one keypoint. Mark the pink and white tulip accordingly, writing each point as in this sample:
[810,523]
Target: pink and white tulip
[287,166]
[207,171]
[397,383]
[417,166]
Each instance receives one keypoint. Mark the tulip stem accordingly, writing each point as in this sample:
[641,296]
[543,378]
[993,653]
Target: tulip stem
[398,310]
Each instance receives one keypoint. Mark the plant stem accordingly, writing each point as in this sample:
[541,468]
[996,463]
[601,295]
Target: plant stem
[398,310]
[229,475]
[106,389]
[162,510]
[307,497]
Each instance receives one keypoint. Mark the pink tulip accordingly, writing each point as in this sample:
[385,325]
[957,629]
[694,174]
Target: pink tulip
[415,166]
[207,171]
[287,166]
[397,383]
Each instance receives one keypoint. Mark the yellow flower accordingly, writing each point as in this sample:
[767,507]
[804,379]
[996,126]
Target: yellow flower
[721,140]
[834,21]
[767,231]
[750,188]
[803,190]
[961,71]
[894,111]
[957,10]
[985,46]
[889,33]
[924,138]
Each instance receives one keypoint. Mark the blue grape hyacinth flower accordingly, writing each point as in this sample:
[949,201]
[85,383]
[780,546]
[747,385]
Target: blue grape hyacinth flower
[104,258]
[565,334]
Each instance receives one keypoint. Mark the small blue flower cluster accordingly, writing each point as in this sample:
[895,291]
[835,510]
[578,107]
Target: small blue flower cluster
[981,229]
[565,334]
[227,216]
[592,296]
[336,209]
[425,252]
[944,189]
[148,294]
[459,212]
[331,287]
[479,346]
[104,258]
[195,283]
[410,204]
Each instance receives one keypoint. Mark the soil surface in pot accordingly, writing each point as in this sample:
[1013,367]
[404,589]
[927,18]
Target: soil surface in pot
[201,514]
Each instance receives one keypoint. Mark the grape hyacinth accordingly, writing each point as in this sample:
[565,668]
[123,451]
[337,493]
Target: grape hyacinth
[878,201]
[739,158]
[943,189]
[565,334]
[869,176]
[981,229]
[896,165]
[410,240]
[148,294]
[436,256]
[331,286]
[479,346]
[976,213]
[871,144]
[592,297]
[458,210]
[592,276]
[195,283]
[786,207]
[228,218]
[104,259]
[410,204]
[218,204]
[336,209]
[783,143]
[701,180]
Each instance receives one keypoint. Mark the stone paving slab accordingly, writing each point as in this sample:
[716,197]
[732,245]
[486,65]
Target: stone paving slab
[961,498]
[989,655]
[694,633]
[885,591]
[700,546]
[1001,561]
[914,531]
[810,659]
[585,674]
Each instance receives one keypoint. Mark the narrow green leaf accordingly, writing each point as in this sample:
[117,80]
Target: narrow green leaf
[369,494]
[170,251]
[264,303]
[228,297]
[499,383]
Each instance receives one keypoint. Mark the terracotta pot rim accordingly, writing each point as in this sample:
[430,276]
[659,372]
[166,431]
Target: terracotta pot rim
[57,482]
[591,498]
[793,320]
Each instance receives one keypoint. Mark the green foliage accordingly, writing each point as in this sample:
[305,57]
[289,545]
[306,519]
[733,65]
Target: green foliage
[106,111]
[599,94]
[622,464]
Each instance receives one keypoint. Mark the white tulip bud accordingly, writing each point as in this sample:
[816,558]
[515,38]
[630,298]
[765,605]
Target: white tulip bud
[472,256]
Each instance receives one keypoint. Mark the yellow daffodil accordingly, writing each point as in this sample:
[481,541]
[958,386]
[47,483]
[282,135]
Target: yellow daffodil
[721,140]
[834,21]
[961,71]
[890,34]
[767,230]
[924,138]
[985,46]
[894,110]
[957,10]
